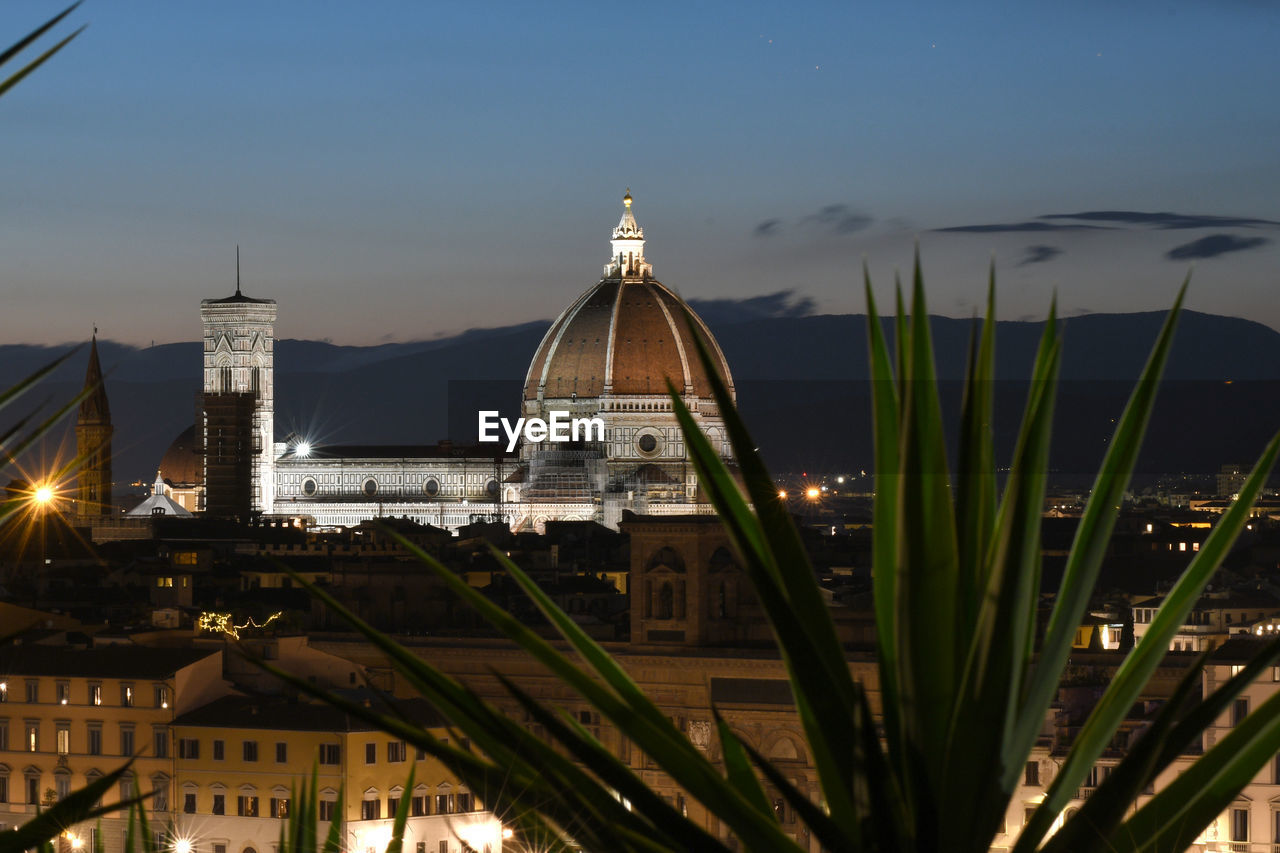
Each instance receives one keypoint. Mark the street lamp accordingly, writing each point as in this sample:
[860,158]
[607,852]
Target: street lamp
[42,499]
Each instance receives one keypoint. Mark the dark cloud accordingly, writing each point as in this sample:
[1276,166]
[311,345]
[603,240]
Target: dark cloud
[1039,254]
[1164,221]
[783,303]
[834,219]
[1012,227]
[1213,246]
[839,218]
[767,228]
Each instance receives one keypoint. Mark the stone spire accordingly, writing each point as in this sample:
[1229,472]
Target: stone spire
[93,444]
[94,408]
[627,260]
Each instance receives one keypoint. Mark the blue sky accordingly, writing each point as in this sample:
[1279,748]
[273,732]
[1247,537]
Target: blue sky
[395,171]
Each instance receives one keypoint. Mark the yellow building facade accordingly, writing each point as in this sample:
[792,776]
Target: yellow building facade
[69,716]
[240,760]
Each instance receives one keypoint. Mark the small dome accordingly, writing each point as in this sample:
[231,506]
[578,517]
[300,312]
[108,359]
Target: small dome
[181,464]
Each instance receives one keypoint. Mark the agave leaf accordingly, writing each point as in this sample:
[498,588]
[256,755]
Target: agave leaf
[1139,665]
[884,572]
[396,845]
[23,502]
[1176,815]
[144,828]
[779,568]
[17,427]
[131,831]
[1180,722]
[12,450]
[13,50]
[13,80]
[1090,544]
[591,753]
[623,686]
[670,749]
[548,788]
[545,773]
[1000,648]
[80,805]
[333,838]
[13,393]
[976,467]
[496,735]
[823,713]
[927,574]
[901,337]
[738,766]
[819,823]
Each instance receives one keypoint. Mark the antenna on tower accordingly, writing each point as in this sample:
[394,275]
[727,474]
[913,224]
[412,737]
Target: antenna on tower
[237,269]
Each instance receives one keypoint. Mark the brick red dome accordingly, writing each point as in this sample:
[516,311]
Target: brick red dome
[625,336]
[181,464]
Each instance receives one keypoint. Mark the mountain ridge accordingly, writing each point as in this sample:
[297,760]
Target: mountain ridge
[401,392]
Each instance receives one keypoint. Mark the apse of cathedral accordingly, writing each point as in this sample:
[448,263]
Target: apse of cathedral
[608,355]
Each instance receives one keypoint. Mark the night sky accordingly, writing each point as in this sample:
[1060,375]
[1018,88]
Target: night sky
[397,171]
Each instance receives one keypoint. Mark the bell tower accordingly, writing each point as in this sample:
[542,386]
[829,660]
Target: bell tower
[93,444]
[237,406]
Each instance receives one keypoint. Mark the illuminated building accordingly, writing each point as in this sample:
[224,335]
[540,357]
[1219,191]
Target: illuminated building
[158,504]
[608,355]
[69,716]
[240,758]
[237,409]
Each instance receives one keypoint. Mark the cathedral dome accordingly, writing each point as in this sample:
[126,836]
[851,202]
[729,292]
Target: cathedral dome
[624,336]
[181,463]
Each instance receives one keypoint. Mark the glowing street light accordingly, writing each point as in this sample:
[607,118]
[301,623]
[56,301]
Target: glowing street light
[182,845]
[782,494]
[43,495]
[302,448]
[812,493]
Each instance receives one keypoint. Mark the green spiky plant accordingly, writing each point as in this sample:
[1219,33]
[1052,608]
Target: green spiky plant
[10,53]
[84,804]
[23,434]
[964,688]
[298,833]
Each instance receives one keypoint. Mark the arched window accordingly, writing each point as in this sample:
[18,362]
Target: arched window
[666,601]
[722,601]
[665,557]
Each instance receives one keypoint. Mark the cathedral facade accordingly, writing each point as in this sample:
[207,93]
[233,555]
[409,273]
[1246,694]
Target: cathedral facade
[609,355]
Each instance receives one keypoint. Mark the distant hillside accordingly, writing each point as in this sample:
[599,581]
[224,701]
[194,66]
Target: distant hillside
[799,380]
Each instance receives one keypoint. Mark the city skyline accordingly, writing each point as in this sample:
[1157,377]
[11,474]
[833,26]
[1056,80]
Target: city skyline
[416,172]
